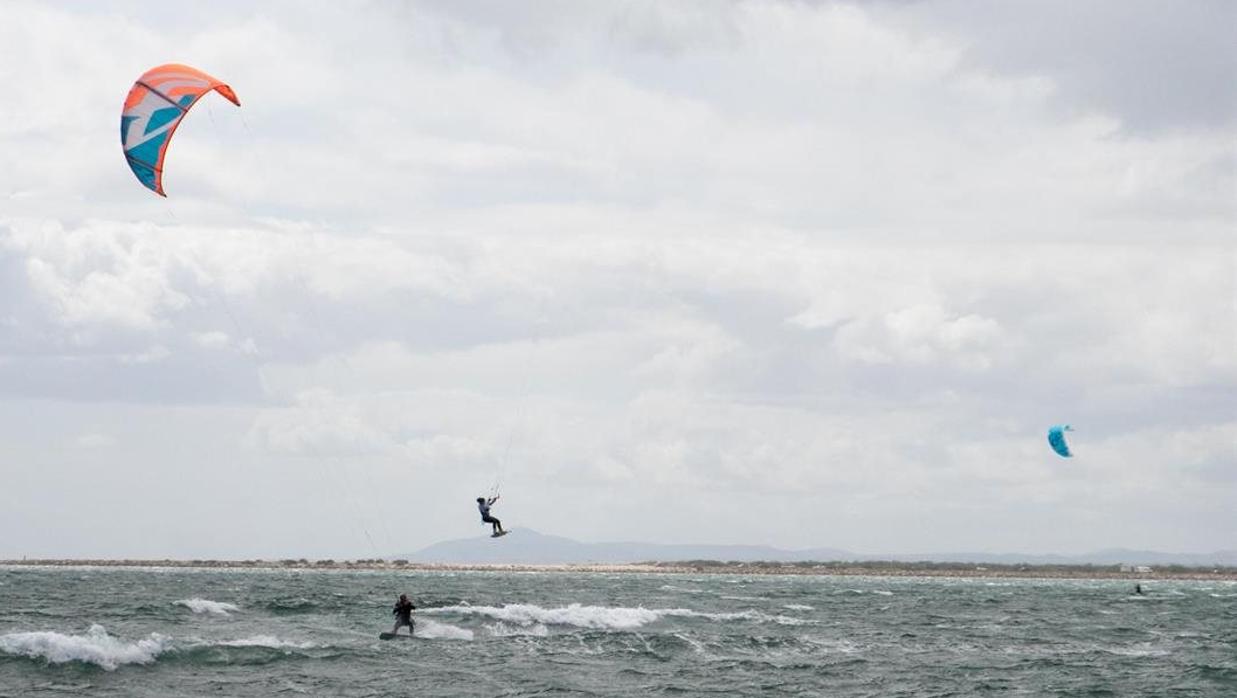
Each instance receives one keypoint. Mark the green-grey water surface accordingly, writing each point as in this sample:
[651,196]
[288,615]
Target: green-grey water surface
[173,632]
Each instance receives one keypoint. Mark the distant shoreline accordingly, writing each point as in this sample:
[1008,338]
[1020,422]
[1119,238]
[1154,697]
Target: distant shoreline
[840,569]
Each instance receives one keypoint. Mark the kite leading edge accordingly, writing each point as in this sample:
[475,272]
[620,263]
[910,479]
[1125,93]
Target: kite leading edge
[154,108]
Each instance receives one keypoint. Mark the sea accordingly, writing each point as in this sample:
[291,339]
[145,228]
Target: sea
[246,632]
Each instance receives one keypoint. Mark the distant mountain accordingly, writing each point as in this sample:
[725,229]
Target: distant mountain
[526,546]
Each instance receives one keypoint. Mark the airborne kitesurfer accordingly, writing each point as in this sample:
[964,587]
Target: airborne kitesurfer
[483,505]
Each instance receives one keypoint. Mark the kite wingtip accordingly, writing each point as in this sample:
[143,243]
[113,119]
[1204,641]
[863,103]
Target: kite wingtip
[228,94]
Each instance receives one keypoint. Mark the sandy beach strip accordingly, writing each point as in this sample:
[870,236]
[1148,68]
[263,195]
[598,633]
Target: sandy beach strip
[956,570]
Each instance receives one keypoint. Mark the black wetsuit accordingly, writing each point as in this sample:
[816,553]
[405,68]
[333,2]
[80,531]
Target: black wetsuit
[403,615]
[484,508]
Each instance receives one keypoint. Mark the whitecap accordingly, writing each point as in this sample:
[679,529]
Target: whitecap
[685,590]
[838,645]
[602,617]
[94,647]
[799,607]
[430,629]
[216,608]
[749,615]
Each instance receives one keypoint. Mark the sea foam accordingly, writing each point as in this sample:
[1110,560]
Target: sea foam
[427,628]
[602,617]
[94,647]
[217,608]
[501,629]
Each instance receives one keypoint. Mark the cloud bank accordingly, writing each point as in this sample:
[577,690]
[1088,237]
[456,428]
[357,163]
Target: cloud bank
[823,272]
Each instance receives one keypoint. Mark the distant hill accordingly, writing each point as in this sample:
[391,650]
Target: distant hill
[526,546]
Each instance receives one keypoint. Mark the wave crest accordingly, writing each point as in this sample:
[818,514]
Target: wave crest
[599,617]
[602,617]
[93,647]
[217,608]
[432,629]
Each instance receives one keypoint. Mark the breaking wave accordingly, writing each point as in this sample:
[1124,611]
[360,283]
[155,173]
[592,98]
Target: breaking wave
[601,617]
[217,608]
[97,647]
[441,631]
[93,647]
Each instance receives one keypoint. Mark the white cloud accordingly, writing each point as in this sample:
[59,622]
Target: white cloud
[318,425]
[922,334]
[92,276]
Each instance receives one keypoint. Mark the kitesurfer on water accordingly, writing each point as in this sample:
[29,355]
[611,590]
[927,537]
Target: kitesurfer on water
[403,614]
[483,505]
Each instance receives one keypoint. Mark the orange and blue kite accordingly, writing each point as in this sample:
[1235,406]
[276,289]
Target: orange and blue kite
[154,108]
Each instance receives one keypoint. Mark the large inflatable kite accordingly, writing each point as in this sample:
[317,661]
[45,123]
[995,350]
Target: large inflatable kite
[155,105]
[1056,439]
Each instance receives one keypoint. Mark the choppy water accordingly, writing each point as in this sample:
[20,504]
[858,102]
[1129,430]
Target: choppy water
[109,632]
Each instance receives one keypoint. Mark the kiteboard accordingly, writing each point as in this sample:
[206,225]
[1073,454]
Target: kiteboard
[393,636]
[499,534]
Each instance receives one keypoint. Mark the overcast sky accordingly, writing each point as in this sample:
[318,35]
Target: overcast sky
[804,274]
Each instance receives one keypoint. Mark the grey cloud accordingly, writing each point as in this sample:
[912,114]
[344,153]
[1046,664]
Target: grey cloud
[1155,64]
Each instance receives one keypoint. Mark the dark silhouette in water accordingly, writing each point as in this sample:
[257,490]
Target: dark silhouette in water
[1138,589]
[403,614]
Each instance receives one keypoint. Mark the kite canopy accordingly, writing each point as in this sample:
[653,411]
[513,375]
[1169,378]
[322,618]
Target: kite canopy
[1056,438]
[155,105]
